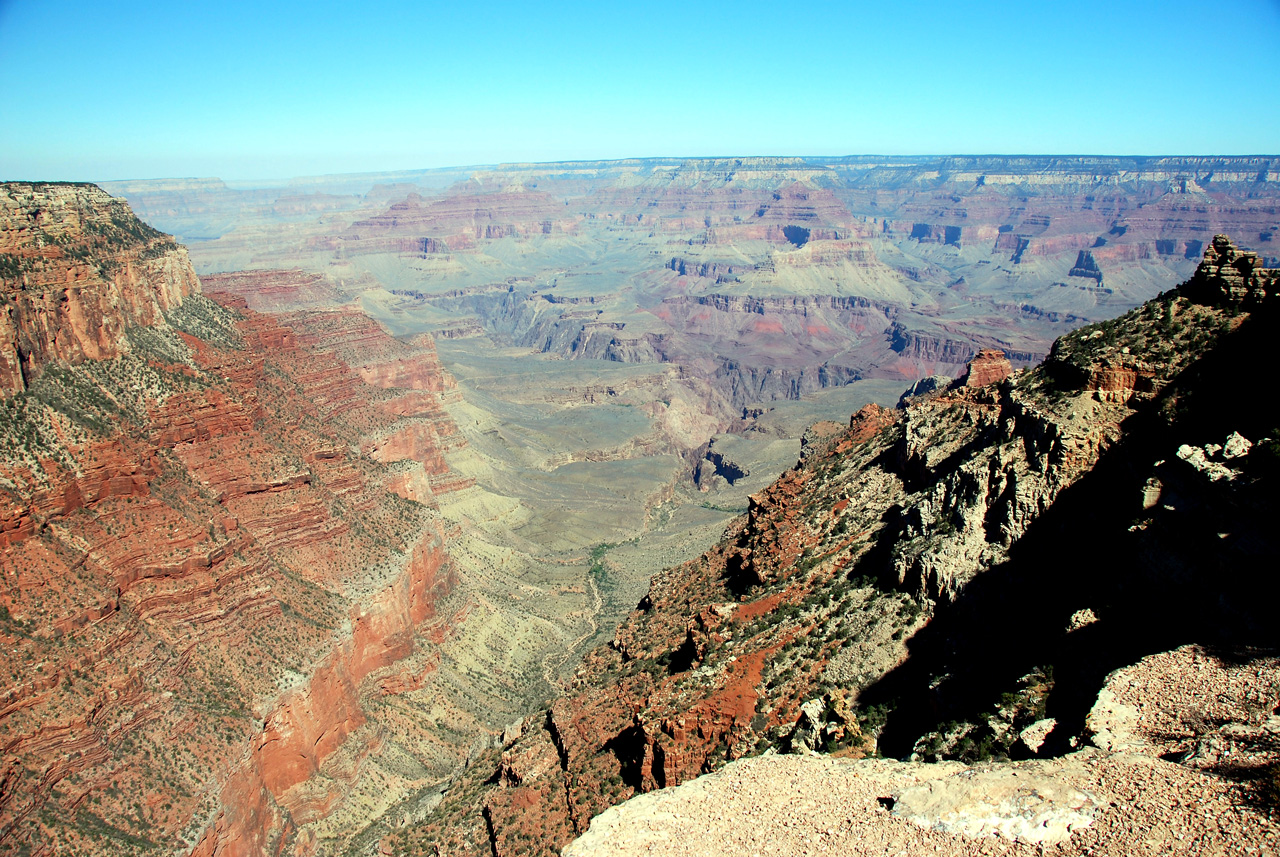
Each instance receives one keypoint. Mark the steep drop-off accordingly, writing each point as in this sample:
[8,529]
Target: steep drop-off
[224,578]
[953,580]
[78,270]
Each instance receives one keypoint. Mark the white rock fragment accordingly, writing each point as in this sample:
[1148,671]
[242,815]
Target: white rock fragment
[1196,457]
[1017,802]
[1081,618]
[1236,446]
[1033,736]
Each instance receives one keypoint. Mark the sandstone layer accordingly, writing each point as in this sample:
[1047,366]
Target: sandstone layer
[78,270]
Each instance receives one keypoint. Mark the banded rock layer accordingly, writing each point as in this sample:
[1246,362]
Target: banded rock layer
[76,270]
[224,578]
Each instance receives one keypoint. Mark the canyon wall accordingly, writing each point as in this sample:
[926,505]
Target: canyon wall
[657,260]
[218,593]
[78,270]
[935,581]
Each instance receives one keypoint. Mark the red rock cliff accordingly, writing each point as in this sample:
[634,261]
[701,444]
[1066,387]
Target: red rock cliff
[206,588]
[76,270]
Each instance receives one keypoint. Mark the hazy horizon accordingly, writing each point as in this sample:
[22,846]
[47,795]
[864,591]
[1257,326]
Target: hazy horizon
[282,180]
[112,91]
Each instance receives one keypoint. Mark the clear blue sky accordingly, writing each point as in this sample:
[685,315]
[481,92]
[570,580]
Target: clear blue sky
[110,90]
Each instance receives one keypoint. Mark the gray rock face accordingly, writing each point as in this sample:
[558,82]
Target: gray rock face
[962,517]
[807,735]
[924,387]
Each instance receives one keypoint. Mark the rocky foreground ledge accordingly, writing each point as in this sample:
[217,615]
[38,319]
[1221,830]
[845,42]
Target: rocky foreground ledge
[1148,787]
[968,581]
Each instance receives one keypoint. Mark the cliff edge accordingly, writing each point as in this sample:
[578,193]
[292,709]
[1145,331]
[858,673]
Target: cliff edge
[222,569]
[954,581]
[77,269]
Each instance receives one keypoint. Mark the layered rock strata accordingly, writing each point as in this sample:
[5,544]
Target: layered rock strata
[951,581]
[970,252]
[217,599]
[77,269]
[1232,276]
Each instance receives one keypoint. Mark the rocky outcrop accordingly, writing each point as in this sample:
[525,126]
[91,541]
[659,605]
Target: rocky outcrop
[1085,266]
[868,599]
[870,421]
[77,270]
[924,387]
[936,234]
[934,349]
[988,366]
[1230,276]
[1215,460]
[1029,804]
[721,273]
[713,465]
[1123,797]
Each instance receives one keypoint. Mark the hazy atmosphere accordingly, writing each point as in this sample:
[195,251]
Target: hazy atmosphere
[102,91]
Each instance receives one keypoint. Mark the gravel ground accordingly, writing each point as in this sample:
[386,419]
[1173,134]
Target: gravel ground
[1121,801]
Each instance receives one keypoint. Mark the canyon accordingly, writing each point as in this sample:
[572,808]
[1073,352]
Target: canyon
[231,618]
[763,281]
[720,303]
[1104,511]
[375,466]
